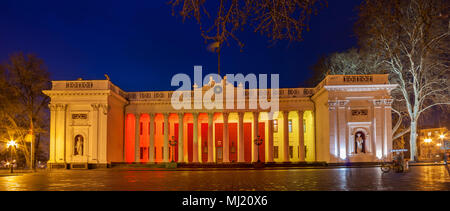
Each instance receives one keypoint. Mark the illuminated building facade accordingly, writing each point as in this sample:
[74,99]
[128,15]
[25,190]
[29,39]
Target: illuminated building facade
[342,119]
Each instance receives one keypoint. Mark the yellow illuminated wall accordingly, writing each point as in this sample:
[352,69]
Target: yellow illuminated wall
[309,138]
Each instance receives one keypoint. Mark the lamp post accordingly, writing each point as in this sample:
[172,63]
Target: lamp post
[173,143]
[10,145]
[258,142]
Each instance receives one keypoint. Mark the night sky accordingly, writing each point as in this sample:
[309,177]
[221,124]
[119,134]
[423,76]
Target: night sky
[140,45]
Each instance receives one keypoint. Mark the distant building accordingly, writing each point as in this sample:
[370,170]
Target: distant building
[345,118]
[430,143]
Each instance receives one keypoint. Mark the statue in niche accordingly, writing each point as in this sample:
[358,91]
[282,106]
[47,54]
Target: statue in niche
[360,143]
[79,142]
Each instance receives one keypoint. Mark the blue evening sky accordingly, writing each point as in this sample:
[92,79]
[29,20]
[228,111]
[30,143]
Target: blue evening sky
[140,45]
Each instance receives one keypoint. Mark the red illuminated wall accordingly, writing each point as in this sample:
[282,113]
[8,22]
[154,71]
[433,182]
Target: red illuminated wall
[204,142]
[232,137]
[190,139]
[248,142]
[262,135]
[178,141]
[129,138]
[218,138]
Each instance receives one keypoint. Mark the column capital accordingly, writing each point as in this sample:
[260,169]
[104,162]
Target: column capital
[332,104]
[388,102]
[52,107]
[377,102]
[105,108]
[342,103]
[151,115]
[300,112]
[225,114]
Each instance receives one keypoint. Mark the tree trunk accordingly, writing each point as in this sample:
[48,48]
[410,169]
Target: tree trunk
[413,142]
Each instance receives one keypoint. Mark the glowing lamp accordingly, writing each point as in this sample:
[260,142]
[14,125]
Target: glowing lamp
[11,143]
[427,140]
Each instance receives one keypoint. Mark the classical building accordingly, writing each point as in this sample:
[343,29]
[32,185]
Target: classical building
[342,119]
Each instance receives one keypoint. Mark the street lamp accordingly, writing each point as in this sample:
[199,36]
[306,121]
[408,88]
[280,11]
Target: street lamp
[258,142]
[173,143]
[10,145]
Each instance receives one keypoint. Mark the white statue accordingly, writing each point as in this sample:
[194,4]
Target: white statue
[78,145]
[359,142]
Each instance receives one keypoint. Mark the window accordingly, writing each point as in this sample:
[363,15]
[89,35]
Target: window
[140,128]
[154,152]
[275,126]
[162,152]
[141,152]
[275,151]
[290,125]
[291,151]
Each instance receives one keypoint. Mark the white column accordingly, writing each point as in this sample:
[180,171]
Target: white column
[388,128]
[270,139]
[137,139]
[151,142]
[195,140]
[102,145]
[226,145]
[60,133]
[255,136]
[52,153]
[180,137]
[285,136]
[334,154]
[378,129]
[166,138]
[342,128]
[93,143]
[301,138]
[241,151]
[210,137]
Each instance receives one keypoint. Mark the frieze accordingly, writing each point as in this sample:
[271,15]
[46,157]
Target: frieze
[358,78]
[79,85]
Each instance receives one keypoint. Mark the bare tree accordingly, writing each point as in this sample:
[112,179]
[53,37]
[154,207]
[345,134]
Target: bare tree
[350,62]
[412,38]
[278,20]
[22,103]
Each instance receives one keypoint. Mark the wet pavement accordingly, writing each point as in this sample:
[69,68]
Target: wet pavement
[428,178]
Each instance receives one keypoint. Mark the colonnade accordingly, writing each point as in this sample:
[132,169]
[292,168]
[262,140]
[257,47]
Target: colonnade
[144,139]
